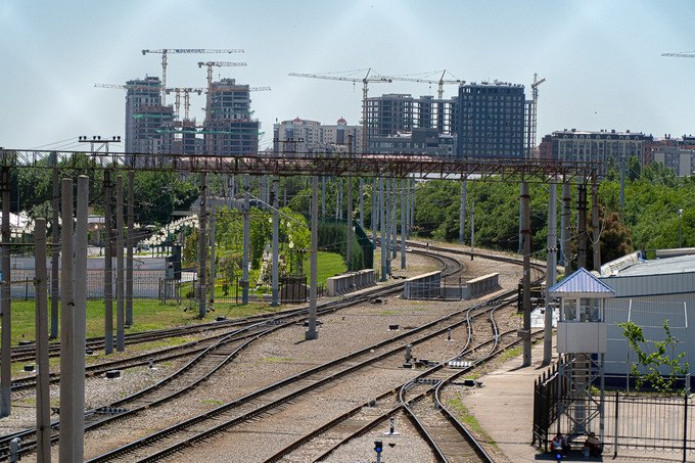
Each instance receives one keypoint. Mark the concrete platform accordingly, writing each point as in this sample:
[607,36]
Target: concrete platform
[504,408]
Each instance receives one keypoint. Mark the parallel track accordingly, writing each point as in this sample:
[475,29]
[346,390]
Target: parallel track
[201,367]
[225,350]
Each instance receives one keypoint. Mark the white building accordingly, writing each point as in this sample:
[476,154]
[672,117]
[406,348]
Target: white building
[301,137]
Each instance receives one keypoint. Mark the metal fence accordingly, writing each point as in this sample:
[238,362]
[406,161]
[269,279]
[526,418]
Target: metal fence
[646,422]
[146,284]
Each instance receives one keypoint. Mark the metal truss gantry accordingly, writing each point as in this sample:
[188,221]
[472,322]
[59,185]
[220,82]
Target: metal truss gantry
[366,165]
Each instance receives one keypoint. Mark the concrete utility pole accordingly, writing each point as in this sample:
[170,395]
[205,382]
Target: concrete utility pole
[311,332]
[565,238]
[276,244]
[120,309]
[403,232]
[596,235]
[202,247]
[581,226]
[550,273]
[521,221]
[382,234]
[408,215]
[213,246]
[108,265]
[55,248]
[361,195]
[129,250]
[338,193]
[472,227]
[386,245]
[394,218]
[43,385]
[5,300]
[462,212]
[622,182]
[412,203]
[247,231]
[323,196]
[73,320]
[526,235]
[349,232]
[375,212]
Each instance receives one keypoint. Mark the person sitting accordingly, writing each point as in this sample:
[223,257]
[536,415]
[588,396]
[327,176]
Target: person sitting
[559,444]
[592,446]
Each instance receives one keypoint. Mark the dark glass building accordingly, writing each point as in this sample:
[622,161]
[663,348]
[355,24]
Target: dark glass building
[491,120]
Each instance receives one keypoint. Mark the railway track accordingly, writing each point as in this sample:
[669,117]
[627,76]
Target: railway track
[225,349]
[449,441]
[209,355]
[264,402]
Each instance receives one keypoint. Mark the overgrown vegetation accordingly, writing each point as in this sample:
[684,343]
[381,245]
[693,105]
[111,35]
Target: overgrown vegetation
[657,367]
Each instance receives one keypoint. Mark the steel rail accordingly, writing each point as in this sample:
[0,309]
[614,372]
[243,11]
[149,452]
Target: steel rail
[284,317]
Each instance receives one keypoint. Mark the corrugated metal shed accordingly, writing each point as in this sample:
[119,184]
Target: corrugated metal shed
[649,293]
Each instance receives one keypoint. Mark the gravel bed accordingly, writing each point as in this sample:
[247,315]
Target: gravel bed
[286,353]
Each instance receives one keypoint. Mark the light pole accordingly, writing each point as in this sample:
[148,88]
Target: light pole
[680,227]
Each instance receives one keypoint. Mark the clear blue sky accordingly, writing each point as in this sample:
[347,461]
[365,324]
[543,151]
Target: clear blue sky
[602,59]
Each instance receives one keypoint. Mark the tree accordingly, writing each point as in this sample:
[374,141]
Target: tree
[655,361]
[158,194]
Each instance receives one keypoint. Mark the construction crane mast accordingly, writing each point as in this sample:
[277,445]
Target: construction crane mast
[165,51]
[366,80]
[186,98]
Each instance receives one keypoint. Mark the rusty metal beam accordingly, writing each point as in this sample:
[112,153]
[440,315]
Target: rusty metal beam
[367,165]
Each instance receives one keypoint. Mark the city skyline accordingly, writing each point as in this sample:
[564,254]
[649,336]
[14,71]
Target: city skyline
[602,60]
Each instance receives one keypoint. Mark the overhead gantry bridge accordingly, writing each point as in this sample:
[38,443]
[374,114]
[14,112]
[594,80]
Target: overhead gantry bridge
[363,165]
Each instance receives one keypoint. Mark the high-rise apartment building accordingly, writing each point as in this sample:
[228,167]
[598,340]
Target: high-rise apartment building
[393,119]
[145,116]
[229,129]
[491,120]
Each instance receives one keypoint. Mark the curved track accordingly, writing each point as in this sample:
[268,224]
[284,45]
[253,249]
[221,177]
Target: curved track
[220,349]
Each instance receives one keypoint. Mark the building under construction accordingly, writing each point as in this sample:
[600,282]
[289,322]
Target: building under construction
[400,123]
[229,129]
[155,128]
[145,116]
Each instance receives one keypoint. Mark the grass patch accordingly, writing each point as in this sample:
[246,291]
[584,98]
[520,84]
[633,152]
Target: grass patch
[510,354]
[211,402]
[148,314]
[463,415]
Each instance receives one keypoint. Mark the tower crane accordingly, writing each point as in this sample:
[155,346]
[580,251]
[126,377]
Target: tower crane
[534,113]
[440,83]
[211,64]
[165,51]
[680,54]
[366,80]
[129,87]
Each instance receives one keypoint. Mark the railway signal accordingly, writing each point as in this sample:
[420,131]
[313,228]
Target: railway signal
[378,447]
